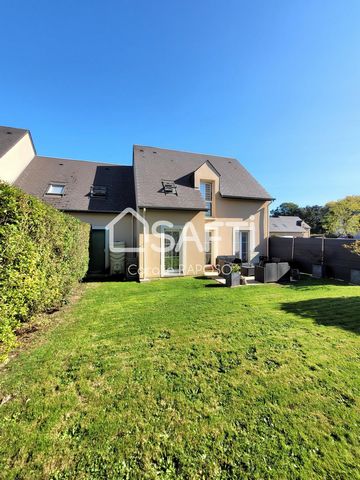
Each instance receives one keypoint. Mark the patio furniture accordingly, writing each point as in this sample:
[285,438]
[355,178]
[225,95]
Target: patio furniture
[247,270]
[224,264]
[272,272]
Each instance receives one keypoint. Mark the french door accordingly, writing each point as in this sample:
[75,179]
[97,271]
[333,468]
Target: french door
[171,252]
[241,245]
[208,247]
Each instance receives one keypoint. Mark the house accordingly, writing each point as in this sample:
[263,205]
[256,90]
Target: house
[176,210]
[226,207]
[288,226]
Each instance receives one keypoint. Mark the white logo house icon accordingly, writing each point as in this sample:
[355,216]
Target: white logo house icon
[111,228]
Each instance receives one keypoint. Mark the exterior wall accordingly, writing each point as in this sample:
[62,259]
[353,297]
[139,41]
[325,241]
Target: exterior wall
[248,215]
[123,230]
[251,215]
[207,174]
[150,260]
[14,162]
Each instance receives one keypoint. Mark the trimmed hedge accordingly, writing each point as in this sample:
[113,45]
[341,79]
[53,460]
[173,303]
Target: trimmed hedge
[43,253]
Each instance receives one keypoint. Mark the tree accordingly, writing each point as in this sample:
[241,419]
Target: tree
[286,209]
[343,216]
[314,217]
[353,247]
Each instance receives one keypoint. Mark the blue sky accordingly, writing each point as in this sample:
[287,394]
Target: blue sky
[275,84]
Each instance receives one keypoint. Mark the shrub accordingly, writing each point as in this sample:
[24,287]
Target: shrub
[43,253]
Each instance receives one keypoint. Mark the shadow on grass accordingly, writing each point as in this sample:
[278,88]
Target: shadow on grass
[307,282]
[342,312]
[103,278]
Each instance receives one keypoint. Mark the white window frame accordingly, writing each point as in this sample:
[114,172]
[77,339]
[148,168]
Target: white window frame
[163,272]
[214,235]
[211,183]
[55,185]
[250,233]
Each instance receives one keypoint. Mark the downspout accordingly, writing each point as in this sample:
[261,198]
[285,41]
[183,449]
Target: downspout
[144,256]
[267,229]
[132,232]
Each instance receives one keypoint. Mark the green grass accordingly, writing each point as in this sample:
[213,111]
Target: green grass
[175,379]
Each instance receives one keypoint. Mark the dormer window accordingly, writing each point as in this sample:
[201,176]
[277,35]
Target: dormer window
[206,192]
[55,189]
[98,191]
[169,187]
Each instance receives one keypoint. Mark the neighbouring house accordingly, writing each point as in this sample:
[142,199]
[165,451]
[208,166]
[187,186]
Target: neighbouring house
[288,226]
[212,204]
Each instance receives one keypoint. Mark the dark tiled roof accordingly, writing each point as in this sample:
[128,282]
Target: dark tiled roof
[78,176]
[151,164]
[9,137]
[287,224]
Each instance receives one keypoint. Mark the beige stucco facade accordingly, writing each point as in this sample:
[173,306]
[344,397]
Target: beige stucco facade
[151,243]
[15,160]
[246,215]
[229,215]
[123,229]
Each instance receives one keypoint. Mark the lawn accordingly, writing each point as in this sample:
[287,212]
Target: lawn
[179,379]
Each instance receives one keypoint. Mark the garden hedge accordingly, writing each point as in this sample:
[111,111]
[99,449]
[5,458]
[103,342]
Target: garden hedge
[43,254]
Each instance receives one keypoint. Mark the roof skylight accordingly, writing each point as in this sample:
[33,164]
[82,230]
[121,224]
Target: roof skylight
[98,191]
[55,189]
[169,187]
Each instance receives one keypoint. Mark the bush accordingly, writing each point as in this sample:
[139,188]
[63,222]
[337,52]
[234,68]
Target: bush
[43,253]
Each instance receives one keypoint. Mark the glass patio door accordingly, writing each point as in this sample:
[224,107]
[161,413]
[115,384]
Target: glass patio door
[208,247]
[172,257]
[241,247]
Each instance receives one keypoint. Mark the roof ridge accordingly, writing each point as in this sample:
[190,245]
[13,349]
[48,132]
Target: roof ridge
[93,162]
[185,151]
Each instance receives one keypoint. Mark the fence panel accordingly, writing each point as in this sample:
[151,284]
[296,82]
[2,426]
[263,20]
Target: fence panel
[281,247]
[339,261]
[303,253]
[307,252]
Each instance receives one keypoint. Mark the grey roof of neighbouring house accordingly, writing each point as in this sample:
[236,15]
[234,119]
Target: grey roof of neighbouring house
[78,176]
[152,164]
[287,224]
[9,137]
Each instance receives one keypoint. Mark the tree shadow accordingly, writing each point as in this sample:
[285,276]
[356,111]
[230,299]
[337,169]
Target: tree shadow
[342,312]
[307,282]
